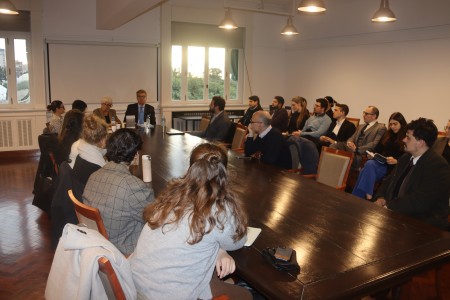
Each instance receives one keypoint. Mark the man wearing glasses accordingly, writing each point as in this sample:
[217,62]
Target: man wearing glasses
[141,110]
[366,136]
[266,143]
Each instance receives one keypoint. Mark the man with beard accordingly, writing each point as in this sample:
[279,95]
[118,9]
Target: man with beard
[419,184]
[219,125]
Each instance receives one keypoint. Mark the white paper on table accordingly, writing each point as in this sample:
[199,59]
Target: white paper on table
[252,234]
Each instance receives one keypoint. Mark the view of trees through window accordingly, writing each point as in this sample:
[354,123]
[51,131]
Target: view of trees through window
[201,60]
[14,82]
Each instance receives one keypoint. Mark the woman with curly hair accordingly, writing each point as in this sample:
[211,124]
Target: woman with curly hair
[390,146]
[119,195]
[189,227]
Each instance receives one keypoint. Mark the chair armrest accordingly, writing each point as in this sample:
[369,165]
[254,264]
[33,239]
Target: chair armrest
[342,187]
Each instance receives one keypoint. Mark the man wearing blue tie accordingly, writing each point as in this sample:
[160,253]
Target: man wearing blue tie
[141,110]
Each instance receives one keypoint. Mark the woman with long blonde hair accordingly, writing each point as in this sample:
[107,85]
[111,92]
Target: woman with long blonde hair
[189,227]
[299,114]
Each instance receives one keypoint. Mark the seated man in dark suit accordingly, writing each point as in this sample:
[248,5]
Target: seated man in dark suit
[141,110]
[219,125]
[280,118]
[419,184]
[365,138]
[340,129]
[265,142]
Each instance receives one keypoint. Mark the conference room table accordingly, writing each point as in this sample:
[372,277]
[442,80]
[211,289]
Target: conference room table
[346,247]
[197,119]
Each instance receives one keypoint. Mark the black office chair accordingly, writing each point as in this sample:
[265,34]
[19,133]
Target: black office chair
[47,172]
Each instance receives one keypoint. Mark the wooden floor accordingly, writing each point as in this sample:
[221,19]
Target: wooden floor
[25,254]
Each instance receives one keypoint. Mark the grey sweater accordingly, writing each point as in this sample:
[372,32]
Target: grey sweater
[166,267]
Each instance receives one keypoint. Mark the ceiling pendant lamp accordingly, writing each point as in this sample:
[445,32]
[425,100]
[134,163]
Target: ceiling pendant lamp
[312,6]
[384,13]
[227,22]
[6,7]
[289,29]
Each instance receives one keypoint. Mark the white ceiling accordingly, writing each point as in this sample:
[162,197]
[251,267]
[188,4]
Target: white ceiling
[343,17]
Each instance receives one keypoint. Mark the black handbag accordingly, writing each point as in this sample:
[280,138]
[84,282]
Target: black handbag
[280,265]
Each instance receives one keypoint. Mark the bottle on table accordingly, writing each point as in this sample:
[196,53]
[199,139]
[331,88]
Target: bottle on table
[163,122]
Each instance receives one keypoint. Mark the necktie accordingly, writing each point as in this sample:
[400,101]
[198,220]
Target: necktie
[402,178]
[141,115]
[361,134]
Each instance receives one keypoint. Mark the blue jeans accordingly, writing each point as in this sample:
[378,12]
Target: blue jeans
[372,172]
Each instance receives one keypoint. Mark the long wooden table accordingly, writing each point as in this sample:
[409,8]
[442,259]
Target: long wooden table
[346,247]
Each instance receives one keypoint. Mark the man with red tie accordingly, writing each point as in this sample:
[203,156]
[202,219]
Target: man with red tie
[419,185]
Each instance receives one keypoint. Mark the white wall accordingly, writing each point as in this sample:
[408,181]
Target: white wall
[412,77]
[268,58]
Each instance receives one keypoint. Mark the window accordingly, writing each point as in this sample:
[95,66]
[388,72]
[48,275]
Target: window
[14,72]
[220,65]
[206,61]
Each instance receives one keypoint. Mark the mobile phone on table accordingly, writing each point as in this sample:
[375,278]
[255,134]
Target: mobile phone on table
[283,253]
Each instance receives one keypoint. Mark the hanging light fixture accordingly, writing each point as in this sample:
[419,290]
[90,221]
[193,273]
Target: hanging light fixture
[289,29]
[227,22]
[384,13]
[312,6]
[7,8]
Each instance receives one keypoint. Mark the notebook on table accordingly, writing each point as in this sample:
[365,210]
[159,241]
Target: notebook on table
[174,132]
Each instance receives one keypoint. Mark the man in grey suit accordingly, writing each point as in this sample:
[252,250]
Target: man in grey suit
[366,136]
[219,125]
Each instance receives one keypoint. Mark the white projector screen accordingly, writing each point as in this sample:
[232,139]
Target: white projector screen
[90,71]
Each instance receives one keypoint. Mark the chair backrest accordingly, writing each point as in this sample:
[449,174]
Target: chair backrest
[238,138]
[354,121]
[109,280]
[90,216]
[204,122]
[334,167]
[295,156]
[230,134]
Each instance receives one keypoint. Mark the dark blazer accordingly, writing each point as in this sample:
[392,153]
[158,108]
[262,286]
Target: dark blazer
[218,129]
[345,132]
[245,120]
[132,109]
[272,147]
[425,192]
[280,120]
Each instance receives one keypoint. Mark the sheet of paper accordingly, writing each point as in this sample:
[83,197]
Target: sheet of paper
[252,234]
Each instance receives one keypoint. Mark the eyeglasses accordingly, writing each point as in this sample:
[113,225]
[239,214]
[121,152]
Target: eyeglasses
[254,122]
[366,113]
[62,106]
[108,104]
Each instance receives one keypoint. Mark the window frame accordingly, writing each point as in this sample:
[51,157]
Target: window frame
[11,68]
[184,75]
